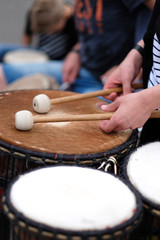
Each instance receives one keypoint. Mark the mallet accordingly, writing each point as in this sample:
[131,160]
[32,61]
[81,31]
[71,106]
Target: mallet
[24,119]
[42,103]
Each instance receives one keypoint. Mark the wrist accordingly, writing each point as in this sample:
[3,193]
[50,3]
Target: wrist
[153,103]
[139,49]
[135,59]
[146,99]
[75,50]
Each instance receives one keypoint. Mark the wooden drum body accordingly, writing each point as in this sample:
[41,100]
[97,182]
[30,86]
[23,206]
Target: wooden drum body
[68,202]
[141,169]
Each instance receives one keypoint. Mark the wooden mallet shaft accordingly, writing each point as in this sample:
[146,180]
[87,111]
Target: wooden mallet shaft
[70,118]
[42,103]
[91,94]
[80,117]
[24,120]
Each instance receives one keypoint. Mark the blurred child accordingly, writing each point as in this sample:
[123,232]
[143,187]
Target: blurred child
[49,27]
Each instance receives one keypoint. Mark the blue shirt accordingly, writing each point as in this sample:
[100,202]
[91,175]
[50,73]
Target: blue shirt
[106,32]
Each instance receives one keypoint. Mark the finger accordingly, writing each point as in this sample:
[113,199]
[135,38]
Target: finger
[127,88]
[72,76]
[112,107]
[65,76]
[98,105]
[112,126]
[111,96]
[107,126]
[68,76]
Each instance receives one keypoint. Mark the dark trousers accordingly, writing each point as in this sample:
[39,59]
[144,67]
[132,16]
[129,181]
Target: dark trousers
[151,131]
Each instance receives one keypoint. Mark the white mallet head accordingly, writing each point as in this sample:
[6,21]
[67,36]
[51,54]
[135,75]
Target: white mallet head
[41,103]
[24,120]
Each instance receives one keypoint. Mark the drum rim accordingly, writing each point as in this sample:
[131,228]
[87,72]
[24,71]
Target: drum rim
[81,159]
[149,206]
[118,231]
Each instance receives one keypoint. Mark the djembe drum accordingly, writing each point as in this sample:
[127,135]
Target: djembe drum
[67,202]
[75,143]
[25,56]
[69,143]
[141,169]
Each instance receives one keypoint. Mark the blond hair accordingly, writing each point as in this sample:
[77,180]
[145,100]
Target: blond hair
[45,14]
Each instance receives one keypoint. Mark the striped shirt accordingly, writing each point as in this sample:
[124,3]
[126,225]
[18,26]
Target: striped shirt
[154,77]
[57,45]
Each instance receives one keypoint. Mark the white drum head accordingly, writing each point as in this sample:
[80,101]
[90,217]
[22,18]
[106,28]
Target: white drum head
[25,56]
[143,170]
[73,198]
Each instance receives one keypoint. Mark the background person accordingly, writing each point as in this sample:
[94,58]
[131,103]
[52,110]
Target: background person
[106,31]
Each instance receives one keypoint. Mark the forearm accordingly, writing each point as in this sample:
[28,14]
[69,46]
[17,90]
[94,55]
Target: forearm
[151,97]
[136,58]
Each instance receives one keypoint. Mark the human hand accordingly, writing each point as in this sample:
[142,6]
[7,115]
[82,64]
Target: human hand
[130,112]
[124,75]
[71,67]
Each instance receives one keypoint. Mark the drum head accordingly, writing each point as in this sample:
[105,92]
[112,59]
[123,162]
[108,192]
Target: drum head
[72,200]
[25,56]
[61,139]
[141,168]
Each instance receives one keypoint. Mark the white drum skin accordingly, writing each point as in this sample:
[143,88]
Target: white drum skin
[143,171]
[41,103]
[73,198]
[25,56]
[24,120]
